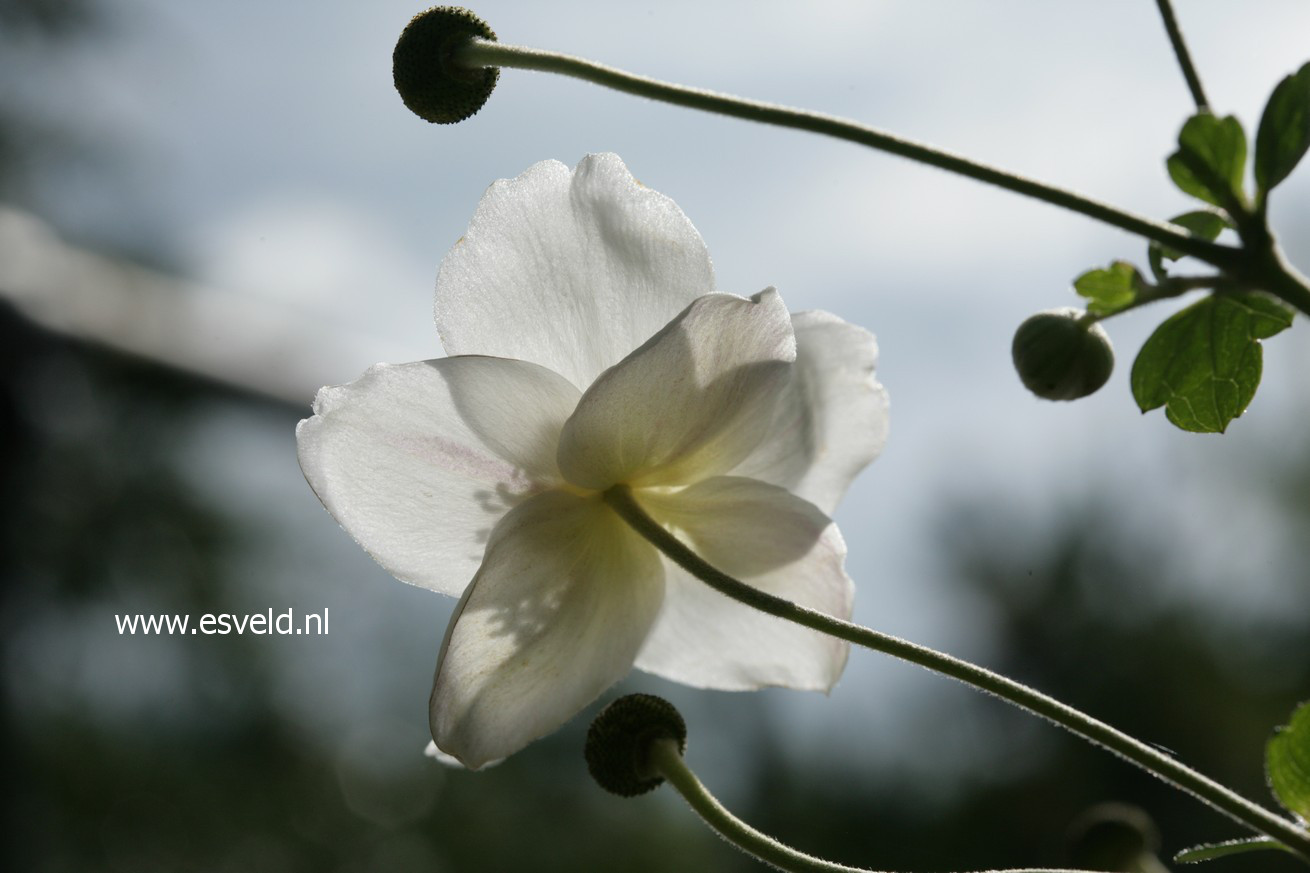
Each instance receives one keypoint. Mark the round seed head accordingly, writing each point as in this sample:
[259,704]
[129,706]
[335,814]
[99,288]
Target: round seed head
[431,83]
[619,742]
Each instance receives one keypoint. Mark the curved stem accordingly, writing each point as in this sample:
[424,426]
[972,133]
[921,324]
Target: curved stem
[483,53]
[1167,289]
[1184,57]
[1143,755]
[666,759]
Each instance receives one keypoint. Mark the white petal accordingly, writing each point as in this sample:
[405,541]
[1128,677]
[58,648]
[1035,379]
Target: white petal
[565,597]
[570,270]
[419,461]
[448,760]
[831,420]
[772,540]
[690,403]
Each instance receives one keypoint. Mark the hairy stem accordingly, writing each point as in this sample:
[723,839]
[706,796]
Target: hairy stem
[1184,57]
[1254,268]
[668,761]
[483,53]
[1224,799]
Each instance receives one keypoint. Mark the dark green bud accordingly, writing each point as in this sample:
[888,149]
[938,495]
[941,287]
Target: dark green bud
[1061,356]
[619,742]
[432,85]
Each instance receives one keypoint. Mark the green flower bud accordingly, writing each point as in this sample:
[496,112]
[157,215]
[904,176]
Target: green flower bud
[1061,357]
[432,85]
[619,741]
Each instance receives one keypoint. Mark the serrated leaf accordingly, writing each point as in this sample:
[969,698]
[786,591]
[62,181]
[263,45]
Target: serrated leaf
[1210,159]
[1204,223]
[1211,851]
[1287,761]
[1284,132]
[1110,290]
[1203,364]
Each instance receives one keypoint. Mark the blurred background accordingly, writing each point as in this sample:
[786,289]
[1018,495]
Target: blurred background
[209,210]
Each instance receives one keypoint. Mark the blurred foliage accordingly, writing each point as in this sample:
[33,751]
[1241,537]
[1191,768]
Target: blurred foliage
[1081,613]
[96,512]
[26,135]
[47,17]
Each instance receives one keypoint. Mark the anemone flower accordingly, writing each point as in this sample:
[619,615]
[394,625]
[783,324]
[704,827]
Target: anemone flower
[587,349]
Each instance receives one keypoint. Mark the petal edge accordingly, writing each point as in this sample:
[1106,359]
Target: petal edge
[831,420]
[691,402]
[557,613]
[571,270]
[418,461]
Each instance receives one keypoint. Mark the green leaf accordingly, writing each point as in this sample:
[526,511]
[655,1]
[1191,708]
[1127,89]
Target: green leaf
[1111,290]
[1203,364]
[1210,159]
[1210,851]
[1204,223]
[1287,761]
[1284,132]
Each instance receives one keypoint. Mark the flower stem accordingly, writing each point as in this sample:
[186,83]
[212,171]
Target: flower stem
[1223,799]
[1254,268]
[1167,289]
[666,759]
[1184,57]
[483,53]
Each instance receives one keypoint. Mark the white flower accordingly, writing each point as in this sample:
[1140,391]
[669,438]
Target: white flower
[588,348]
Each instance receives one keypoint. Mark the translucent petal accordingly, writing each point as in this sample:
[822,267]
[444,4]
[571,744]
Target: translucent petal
[831,419]
[562,602]
[446,759]
[419,461]
[570,270]
[690,403]
[768,538]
